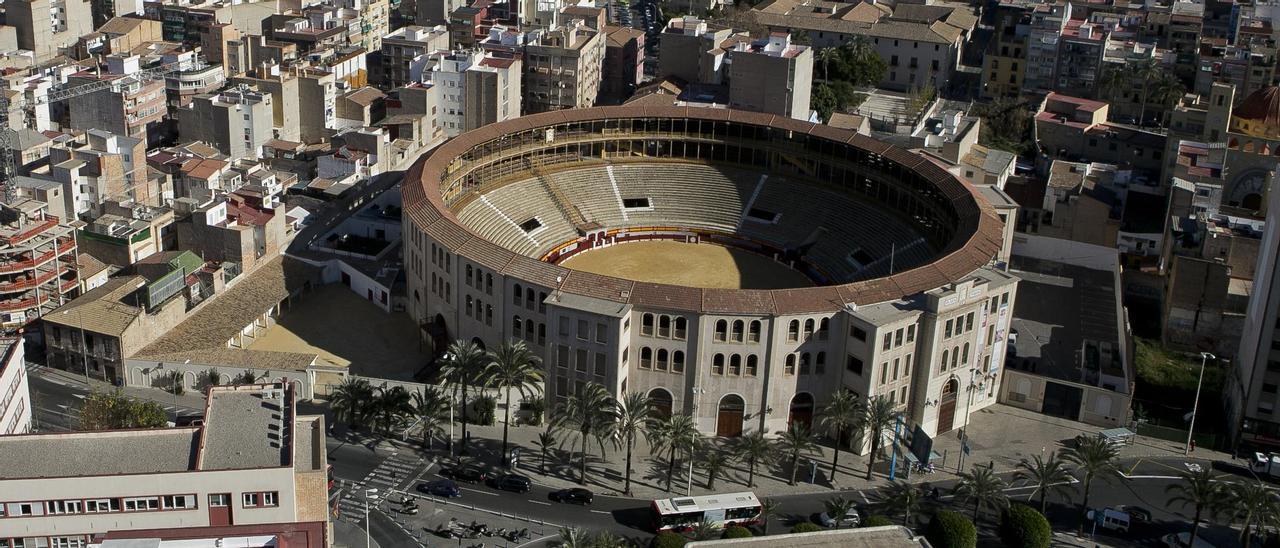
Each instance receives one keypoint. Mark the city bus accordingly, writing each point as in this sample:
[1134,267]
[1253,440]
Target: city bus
[681,513]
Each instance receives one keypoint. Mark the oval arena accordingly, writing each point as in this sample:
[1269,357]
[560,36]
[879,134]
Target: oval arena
[736,266]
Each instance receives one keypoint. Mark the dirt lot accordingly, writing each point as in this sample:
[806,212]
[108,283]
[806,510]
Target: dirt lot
[696,265]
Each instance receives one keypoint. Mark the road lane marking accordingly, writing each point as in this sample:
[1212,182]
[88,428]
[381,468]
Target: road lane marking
[864,496]
[478,491]
[1152,477]
[601,512]
[544,503]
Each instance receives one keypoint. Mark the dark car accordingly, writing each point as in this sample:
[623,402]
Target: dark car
[441,488]
[189,420]
[466,475]
[1136,513]
[577,495]
[512,482]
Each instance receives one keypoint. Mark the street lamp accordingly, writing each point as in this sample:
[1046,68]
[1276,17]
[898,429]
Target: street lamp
[1204,357]
[968,409]
[371,493]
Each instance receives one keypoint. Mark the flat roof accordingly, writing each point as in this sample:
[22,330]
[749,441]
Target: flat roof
[1059,307]
[106,453]
[246,429]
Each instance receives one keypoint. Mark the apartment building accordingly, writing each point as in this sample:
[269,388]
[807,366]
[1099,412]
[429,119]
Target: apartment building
[1048,21]
[1251,388]
[563,68]
[127,232]
[255,462]
[231,229]
[235,121]
[473,88]
[372,22]
[624,57]
[182,86]
[1079,61]
[772,75]
[99,165]
[130,106]
[15,396]
[47,27]
[37,262]
[403,46]
[1005,61]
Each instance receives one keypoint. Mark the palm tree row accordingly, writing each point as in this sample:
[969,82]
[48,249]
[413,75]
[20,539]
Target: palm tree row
[845,419]
[356,402]
[1251,504]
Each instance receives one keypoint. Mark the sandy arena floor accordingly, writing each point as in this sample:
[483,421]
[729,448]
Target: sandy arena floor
[694,265]
[348,331]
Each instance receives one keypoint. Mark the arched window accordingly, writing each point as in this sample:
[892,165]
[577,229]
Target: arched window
[753,364]
[737,330]
[964,354]
[488,283]
[660,400]
[517,295]
[753,333]
[717,364]
[488,314]
[944,361]
[517,327]
[804,363]
[820,364]
[955,357]
[528,330]
[808,328]
[528,299]
[542,334]
[677,361]
[735,365]
[469,275]
[791,365]
[793,331]
[646,324]
[823,324]
[681,327]
[664,326]
[470,306]
[646,358]
[662,359]
[722,327]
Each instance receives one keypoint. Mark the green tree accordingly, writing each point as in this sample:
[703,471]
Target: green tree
[432,409]
[1046,474]
[863,66]
[633,411]
[350,400]
[713,460]
[705,530]
[1021,526]
[752,448]
[667,539]
[1166,91]
[841,416]
[823,100]
[825,55]
[574,537]
[209,379]
[768,509]
[589,414]
[1112,81]
[546,440]
[674,434]
[175,383]
[919,96]
[837,508]
[904,497]
[950,529]
[607,539]
[1148,71]
[513,366]
[878,418]
[736,531]
[460,369]
[485,407]
[115,411]
[1255,507]
[792,444]
[1091,456]
[805,527]
[1200,490]
[390,408]
[983,488]
[246,377]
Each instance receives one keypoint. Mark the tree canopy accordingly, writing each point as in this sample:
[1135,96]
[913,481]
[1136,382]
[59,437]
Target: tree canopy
[114,410]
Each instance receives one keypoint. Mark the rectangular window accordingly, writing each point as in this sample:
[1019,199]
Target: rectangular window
[249,500]
[177,502]
[270,498]
[564,327]
[95,506]
[562,355]
[884,373]
[600,364]
[897,337]
[601,335]
[219,500]
[947,334]
[911,333]
[141,503]
[853,364]
[888,341]
[968,322]
[897,362]
[584,330]
[581,363]
[858,333]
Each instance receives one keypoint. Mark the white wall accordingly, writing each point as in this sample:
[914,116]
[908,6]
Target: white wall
[151,373]
[15,395]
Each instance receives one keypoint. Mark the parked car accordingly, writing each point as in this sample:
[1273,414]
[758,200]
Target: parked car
[465,475]
[1115,520]
[850,519]
[1136,513]
[1183,540]
[441,488]
[512,482]
[577,495]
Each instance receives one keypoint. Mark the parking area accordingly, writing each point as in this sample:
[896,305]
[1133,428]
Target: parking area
[452,522]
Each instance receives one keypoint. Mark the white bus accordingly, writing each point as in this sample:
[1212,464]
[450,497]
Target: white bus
[681,513]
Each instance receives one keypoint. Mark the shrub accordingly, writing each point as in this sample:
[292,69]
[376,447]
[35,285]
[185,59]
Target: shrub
[805,527]
[876,521]
[1022,526]
[667,539]
[949,529]
[737,531]
[485,407]
[537,408]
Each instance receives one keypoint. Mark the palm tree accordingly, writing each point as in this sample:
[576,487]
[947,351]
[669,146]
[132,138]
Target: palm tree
[546,440]
[794,443]
[825,55]
[878,416]
[574,537]
[1166,92]
[512,365]
[432,409]
[1112,81]
[837,508]
[350,399]
[713,462]
[633,412]
[589,414]
[391,407]
[1046,474]
[982,487]
[1254,506]
[840,416]
[1202,491]
[768,509]
[676,433]
[751,448]
[1092,456]
[904,497]
[1146,70]
[608,539]
[705,530]
[460,369]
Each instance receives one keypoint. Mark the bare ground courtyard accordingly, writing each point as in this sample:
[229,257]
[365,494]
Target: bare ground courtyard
[346,330]
[697,265]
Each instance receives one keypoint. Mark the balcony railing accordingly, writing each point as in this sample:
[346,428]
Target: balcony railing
[18,266]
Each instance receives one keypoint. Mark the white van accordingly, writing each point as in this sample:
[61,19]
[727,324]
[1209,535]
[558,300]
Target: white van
[1112,519]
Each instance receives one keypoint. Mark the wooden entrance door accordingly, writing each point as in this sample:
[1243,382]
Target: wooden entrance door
[947,407]
[729,420]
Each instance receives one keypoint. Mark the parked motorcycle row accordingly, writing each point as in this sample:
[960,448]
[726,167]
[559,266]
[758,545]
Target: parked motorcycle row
[458,530]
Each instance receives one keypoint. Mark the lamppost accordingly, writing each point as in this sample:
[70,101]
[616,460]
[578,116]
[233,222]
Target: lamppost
[693,443]
[371,493]
[968,407]
[1204,357]
[84,355]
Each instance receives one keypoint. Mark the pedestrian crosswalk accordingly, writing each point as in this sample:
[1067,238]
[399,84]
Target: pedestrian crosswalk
[397,472]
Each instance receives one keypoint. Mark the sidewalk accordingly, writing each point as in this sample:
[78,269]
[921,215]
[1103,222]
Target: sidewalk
[187,401]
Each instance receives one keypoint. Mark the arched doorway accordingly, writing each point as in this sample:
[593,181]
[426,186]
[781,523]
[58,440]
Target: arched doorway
[660,401]
[1252,202]
[729,420]
[947,406]
[801,411]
